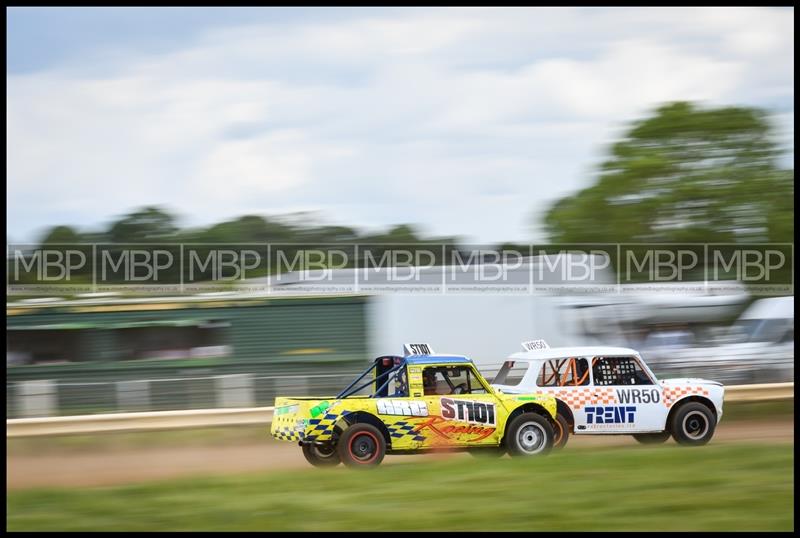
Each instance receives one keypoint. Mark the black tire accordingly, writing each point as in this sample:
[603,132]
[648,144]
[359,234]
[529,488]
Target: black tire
[529,434]
[361,446]
[652,438]
[321,456]
[561,430]
[693,424]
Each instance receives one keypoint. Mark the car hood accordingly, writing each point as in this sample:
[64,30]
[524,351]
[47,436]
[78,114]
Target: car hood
[509,389]
[688,381]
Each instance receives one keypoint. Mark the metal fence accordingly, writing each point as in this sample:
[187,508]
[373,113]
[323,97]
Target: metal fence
[52,398]
[746,367]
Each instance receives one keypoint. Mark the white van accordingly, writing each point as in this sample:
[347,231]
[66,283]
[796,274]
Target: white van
[769,321]
[757,348]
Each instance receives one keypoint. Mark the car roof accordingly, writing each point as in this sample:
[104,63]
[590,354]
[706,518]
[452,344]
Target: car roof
[770,308]
[578,351]
[433,359]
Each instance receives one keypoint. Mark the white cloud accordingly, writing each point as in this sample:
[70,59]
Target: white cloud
[464,120]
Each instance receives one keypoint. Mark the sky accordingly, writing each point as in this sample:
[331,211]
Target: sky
[468,122]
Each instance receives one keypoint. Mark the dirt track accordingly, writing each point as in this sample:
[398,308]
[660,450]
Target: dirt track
[140,465]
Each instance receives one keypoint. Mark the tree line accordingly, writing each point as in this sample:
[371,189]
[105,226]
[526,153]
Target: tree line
[683,174]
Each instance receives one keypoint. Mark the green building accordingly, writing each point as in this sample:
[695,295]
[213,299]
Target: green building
[89,345]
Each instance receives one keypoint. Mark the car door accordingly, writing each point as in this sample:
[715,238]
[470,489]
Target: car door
[463,411]
[625,399]
[400,408]
[568,379]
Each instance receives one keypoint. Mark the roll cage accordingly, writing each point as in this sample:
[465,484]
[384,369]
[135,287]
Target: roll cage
[386,366]
[551,373]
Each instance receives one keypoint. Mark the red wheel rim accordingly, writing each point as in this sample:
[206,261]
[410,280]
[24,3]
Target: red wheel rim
[358,458]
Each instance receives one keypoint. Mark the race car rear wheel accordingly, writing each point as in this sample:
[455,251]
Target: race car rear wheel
[651,438]
[529,434]
[693,424]
[561,430]
[361,446]
[321,456]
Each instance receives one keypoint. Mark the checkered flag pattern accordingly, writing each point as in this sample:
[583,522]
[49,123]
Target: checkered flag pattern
[578,397]
[605,396]
[321,428]
[673,394]
[286,433]
[402,429]
[285,428]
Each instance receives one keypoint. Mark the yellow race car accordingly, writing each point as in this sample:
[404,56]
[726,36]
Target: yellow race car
[413,403]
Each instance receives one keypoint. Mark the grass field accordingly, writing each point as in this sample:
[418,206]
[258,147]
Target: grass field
[713,488]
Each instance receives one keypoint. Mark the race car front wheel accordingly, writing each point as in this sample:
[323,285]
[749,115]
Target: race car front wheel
[692,424]
[651,438]
[361,446]
[321,456]
[529,434]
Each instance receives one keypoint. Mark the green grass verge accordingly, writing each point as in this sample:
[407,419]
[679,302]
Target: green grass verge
[769,410]
[125,441]
[713,488]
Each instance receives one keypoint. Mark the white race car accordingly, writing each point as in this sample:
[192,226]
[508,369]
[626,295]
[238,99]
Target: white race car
[610,390]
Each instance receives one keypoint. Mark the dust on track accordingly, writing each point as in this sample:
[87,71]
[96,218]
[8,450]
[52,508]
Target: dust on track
[103,468]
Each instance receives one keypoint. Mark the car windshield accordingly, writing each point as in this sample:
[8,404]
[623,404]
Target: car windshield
[511,373]
[761,330]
